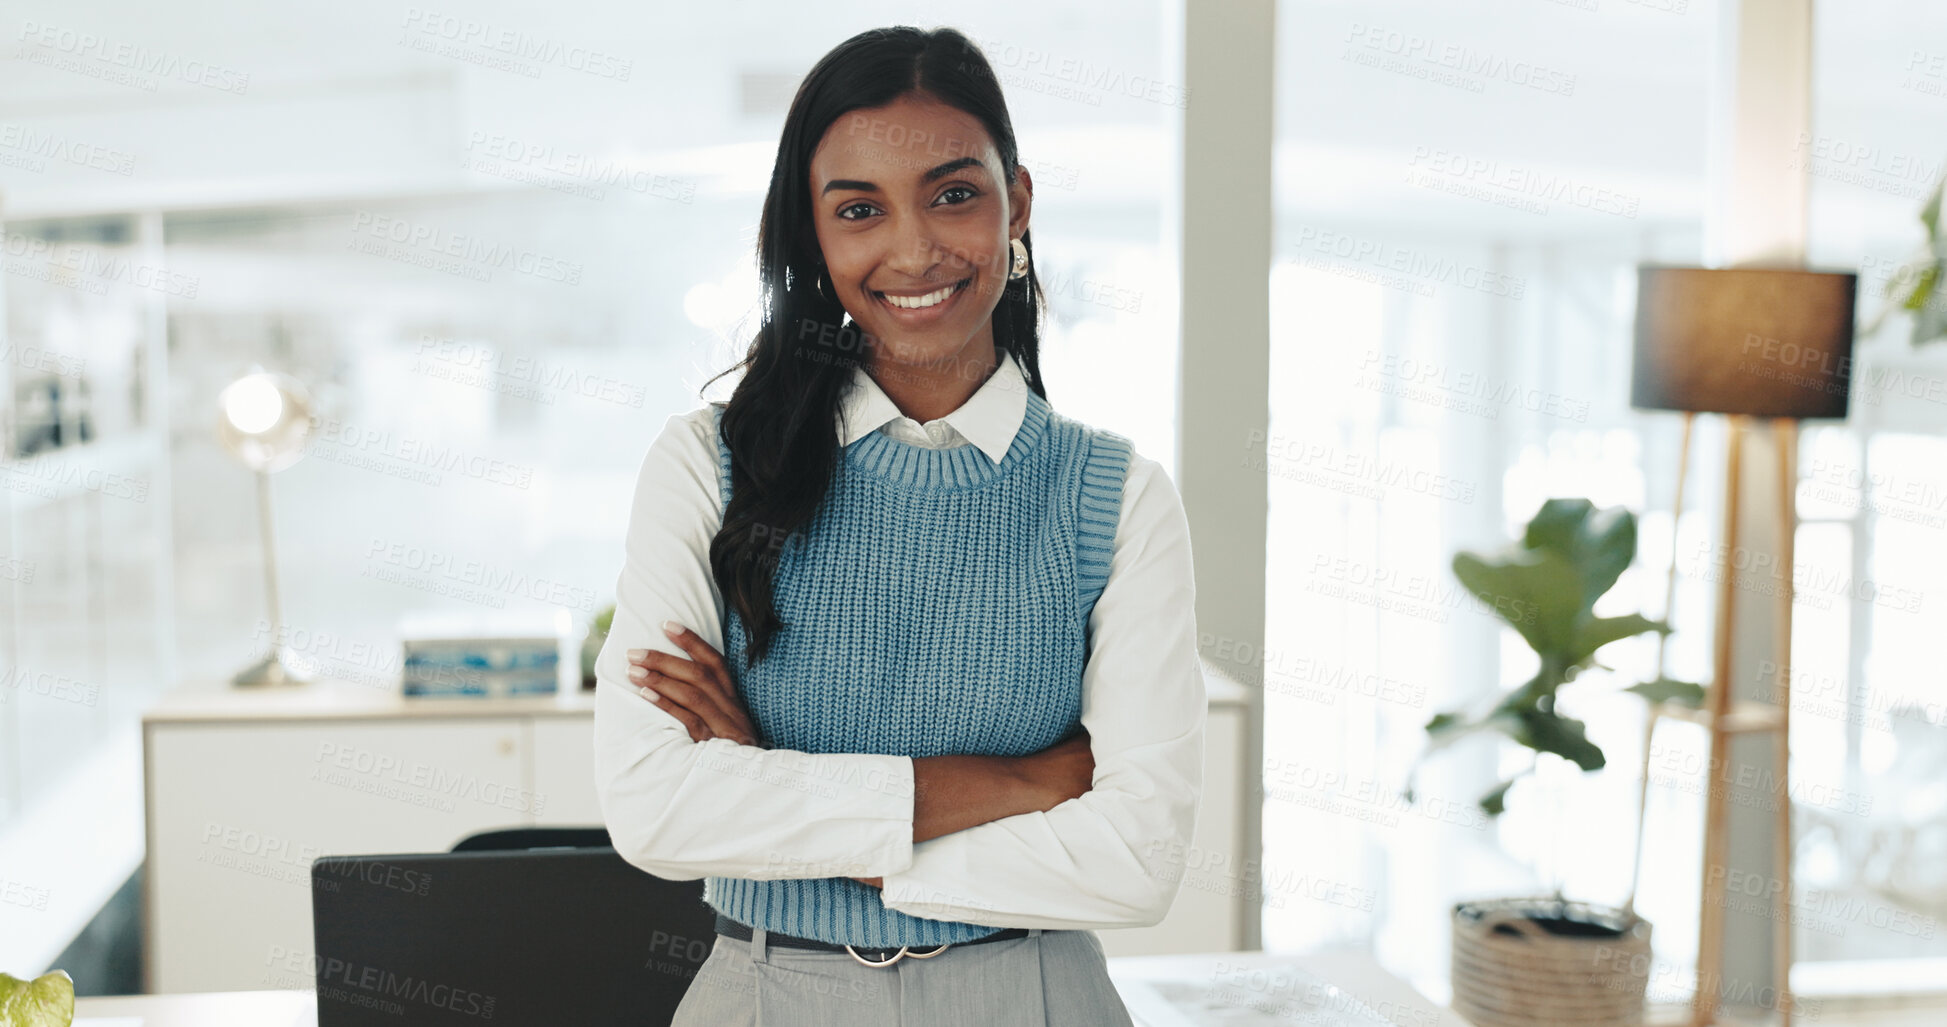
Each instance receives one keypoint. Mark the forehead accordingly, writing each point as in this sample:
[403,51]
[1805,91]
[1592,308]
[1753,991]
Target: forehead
[898,143]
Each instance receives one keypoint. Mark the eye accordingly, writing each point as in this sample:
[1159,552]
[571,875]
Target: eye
[853,206]
[959,189]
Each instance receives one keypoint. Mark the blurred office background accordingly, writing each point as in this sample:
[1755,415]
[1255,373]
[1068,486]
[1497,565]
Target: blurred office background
[238,184]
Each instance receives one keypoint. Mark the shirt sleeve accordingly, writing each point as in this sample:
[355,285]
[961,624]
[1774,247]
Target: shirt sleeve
[681,809]
[1104,859]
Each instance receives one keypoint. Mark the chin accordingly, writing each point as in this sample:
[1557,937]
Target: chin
[909,347]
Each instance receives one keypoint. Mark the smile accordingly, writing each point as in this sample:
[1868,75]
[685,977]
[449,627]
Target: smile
[930,303]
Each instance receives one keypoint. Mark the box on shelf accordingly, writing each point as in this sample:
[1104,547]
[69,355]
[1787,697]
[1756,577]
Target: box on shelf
[490,656]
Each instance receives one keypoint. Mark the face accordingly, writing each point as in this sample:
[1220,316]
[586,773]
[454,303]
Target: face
[914,221]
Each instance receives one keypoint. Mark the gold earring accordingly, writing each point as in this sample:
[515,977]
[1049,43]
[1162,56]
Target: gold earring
[1020,268]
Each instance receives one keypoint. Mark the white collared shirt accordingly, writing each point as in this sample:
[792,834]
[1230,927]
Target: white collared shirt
[682,810]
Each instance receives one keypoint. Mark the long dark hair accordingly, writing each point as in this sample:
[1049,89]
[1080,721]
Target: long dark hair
[781,418]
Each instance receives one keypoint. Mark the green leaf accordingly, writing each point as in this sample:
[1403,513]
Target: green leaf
[1495,802]
[45,1001]
[1535,591]
[1599,543]
[1447,728]
[1546,586]
[1682,693]
[1557,523]
[1551,732]
[1596,632]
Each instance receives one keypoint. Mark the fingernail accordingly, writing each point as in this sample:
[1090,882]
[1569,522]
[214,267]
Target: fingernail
[638,654]
[670,627]
[649,694]
[638,673]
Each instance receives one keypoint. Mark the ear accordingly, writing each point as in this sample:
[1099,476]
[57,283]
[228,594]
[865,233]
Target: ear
[1020,200]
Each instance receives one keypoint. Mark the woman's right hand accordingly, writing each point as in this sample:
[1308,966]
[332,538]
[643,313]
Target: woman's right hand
[1062,771]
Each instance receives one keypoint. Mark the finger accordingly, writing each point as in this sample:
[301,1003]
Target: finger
[704,655]
[706,669]
[698,730]
[650,686]
[687,684]
[700,651]
[702,691]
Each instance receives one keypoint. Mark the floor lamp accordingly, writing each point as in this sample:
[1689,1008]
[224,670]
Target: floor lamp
[1748,343]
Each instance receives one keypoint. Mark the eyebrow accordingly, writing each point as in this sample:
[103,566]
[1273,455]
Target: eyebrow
[939,172]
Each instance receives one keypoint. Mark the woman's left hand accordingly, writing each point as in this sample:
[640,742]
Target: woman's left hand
[697,691]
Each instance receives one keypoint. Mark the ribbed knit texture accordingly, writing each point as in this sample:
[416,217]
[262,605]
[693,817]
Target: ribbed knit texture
[936,603]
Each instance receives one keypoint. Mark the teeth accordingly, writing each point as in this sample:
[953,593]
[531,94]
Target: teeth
[920,302]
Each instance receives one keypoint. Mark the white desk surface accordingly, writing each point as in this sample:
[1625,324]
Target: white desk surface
[1353,971]
[335,699]
[220,1009]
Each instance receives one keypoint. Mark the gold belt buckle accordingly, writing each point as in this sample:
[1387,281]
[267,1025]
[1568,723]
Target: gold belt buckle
[897,956]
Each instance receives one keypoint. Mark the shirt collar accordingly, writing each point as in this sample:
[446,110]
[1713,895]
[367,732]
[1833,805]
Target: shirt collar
[989,418]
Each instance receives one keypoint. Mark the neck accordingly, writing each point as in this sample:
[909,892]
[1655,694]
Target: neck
[926,388]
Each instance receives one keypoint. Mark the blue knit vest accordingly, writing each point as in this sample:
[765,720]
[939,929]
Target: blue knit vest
[935,603]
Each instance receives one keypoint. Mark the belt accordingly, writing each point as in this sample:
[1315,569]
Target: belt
[742,932]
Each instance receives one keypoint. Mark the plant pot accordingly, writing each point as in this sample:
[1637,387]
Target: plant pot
[1545,962]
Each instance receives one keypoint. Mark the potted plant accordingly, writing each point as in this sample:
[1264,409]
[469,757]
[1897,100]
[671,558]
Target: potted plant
[1527,960]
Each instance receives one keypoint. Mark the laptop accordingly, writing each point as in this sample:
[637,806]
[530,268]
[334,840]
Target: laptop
[517,936]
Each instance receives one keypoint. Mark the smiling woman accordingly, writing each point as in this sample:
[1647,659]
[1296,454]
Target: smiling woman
[903,660]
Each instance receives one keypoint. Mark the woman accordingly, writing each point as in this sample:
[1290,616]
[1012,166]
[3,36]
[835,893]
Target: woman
[959,727]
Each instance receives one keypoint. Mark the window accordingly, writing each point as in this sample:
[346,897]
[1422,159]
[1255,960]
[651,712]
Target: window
[1868,707]
[1463,195]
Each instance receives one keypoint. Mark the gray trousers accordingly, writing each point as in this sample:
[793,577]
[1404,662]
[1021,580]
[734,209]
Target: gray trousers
[1047,979]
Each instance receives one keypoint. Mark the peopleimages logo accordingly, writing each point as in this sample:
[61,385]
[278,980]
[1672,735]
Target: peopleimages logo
[353,983]
[375,766]
[1460,59]
[424,244]
[90,54]
[433,30]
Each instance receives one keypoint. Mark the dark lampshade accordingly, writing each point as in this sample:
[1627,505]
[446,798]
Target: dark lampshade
[1759,341]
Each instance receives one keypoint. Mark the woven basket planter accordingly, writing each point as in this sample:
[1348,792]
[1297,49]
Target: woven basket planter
[1544,962]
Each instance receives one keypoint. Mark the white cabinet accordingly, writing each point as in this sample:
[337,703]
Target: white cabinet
[245,790]
[564,770]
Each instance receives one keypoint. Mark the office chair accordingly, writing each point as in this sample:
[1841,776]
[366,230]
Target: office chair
[535,838]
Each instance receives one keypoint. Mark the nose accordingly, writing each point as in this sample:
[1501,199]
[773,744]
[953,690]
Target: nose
[914,251]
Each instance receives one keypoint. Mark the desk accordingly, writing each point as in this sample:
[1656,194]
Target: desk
[1355,972]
